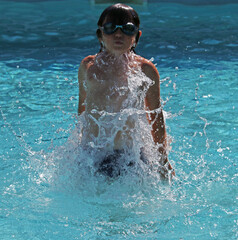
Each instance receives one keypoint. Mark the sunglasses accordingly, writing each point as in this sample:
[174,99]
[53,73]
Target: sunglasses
[129,29]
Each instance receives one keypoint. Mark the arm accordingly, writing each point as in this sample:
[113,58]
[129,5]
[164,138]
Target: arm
[156,119]
[82,91]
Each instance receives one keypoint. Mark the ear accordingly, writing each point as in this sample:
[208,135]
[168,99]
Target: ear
[99,34]
[138,35]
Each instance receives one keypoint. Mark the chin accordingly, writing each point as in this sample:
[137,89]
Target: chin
[121,49]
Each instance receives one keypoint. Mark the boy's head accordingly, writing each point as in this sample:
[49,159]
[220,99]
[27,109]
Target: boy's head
[119,14]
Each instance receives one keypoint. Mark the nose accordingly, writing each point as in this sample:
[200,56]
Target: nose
[118,32]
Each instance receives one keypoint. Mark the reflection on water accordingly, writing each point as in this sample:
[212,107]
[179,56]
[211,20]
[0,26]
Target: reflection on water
[41,175]
[47,193]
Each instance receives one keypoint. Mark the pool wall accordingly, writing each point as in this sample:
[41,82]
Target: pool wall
[189,2]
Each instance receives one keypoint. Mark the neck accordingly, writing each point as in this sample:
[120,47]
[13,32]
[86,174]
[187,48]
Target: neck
[116,54]
[116,57]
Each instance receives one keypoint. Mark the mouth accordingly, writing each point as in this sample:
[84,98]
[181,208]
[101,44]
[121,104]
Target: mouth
[118,42]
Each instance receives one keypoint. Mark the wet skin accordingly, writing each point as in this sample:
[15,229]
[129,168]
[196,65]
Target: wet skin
[100,77]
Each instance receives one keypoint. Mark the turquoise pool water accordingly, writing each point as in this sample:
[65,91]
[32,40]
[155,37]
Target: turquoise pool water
[44,194]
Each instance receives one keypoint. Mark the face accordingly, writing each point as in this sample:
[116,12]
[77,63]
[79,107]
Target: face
[118,42]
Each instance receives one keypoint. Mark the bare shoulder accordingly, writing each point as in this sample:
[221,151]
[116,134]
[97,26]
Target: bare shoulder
[86,62]
[148,68]
[84,66]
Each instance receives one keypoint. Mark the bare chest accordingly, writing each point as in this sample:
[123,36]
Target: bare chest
[109,83]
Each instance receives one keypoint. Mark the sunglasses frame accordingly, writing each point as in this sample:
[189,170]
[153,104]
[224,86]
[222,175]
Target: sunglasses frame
[121,27]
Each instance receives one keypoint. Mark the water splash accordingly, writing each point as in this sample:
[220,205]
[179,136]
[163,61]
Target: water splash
[82,163]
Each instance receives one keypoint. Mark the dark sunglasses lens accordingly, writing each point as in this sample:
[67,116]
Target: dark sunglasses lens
[129,29]
[109,28]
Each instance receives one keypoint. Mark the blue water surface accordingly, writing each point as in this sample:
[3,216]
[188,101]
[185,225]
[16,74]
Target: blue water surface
[44,194]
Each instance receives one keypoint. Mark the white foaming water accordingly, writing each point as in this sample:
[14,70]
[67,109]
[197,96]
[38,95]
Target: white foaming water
[89,164]
[202,201]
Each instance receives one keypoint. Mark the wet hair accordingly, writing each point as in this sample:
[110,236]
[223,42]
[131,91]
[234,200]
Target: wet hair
[119,14]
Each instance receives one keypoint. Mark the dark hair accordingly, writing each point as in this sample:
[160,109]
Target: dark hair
[119,14]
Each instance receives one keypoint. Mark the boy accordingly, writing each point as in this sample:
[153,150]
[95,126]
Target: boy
[104,86]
